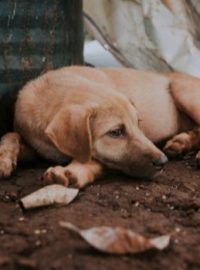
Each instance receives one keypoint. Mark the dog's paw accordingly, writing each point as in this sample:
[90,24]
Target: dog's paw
[7,166]
[178,145]
[64,176]
[57,175]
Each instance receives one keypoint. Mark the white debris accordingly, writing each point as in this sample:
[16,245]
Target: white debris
[52,194]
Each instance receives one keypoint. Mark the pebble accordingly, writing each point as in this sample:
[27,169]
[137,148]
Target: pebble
[37,231]
[2,232]
[137,204]
[21,219]
[137,188]
[38,243]
[164,197]
[177,229]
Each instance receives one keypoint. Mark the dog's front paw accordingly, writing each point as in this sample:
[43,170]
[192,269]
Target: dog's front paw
[57,175]
[65,176]
[6,166]
[178,145]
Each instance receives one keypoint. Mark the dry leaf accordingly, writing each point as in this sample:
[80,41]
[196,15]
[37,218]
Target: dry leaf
[118,240]
[52,194]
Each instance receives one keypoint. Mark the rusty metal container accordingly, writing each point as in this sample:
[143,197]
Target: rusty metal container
[35,36]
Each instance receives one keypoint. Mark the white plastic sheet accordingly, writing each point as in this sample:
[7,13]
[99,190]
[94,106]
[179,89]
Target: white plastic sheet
[159,35]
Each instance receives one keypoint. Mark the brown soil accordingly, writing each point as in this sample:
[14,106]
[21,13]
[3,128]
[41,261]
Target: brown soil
[168,205]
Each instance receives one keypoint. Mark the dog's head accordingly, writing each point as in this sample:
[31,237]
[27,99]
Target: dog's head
[109,133]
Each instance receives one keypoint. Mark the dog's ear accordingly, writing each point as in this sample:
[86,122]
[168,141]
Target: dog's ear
[70,132]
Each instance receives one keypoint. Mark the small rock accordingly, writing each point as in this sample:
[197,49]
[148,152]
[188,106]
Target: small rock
[177,229]
[176,241]
[137,204]
[37,232]
[7,198]
[38,243]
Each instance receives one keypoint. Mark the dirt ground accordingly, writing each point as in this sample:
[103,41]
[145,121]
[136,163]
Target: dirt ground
[168,205]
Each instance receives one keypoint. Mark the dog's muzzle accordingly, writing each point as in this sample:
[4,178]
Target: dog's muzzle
[160,161]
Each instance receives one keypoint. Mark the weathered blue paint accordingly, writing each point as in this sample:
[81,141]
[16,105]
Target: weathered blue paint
[35,36]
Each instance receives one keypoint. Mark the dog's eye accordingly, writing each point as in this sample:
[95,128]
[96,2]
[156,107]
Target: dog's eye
[118,132]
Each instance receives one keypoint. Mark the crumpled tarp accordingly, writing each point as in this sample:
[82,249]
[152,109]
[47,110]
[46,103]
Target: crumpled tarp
[160,35]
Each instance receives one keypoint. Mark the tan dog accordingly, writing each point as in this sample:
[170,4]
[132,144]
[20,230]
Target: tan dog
[102,117]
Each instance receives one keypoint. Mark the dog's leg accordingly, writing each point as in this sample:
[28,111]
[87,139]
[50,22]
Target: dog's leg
[186,93]
[13,150]
[75,174]
[9,151]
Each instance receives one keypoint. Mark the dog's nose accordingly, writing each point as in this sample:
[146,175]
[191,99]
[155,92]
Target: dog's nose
[160,161]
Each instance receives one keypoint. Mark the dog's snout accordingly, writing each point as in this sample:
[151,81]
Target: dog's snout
[160,161]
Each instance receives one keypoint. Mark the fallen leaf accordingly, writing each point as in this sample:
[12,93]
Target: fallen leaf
[118,240]
[52,194]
